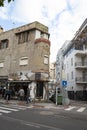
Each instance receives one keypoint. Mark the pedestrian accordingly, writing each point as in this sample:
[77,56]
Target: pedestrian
[28,95]
[21,94]
[7,93]
[3,91]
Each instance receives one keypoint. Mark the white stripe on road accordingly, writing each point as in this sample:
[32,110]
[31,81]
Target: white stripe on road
[5,111]
[70,108]
[81,109]
[30,107]
[8,109]
[23,107]
[13,106]
[19,106]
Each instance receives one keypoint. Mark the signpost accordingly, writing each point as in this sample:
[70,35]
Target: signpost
[64,92]
[64,83]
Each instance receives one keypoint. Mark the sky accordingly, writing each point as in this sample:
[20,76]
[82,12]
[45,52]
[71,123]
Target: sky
[63,18]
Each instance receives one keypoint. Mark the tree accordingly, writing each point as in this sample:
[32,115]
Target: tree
[2,2]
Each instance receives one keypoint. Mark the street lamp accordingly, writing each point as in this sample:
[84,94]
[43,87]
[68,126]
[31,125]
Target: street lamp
[56,94]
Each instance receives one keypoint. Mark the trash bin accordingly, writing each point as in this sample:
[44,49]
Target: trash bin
[59,99]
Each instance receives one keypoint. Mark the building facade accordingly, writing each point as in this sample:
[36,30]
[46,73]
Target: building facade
[24,58]
[75,64]
[52,78]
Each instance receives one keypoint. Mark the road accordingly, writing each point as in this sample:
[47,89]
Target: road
[29,118]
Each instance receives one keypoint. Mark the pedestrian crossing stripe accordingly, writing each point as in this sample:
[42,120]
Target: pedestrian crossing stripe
[19,106]
[5,111]
[70,108]
[81,109]
[30,107]
[8,109]
[5,108]
[14,107]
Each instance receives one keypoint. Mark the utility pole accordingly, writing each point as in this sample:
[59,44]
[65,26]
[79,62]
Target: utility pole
[56,94]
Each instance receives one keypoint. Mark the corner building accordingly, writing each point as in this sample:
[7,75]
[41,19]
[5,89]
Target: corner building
[24,59]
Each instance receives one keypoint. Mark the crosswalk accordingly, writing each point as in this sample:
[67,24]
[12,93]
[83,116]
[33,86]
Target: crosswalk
[5,109]
[75,109]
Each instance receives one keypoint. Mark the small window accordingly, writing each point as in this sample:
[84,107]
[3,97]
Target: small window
[44,35]
[4,44]
[23,61]
[71,61]
[72,75]
[67,65]
[68,76]
[1,64]
[37,35]
[46,60]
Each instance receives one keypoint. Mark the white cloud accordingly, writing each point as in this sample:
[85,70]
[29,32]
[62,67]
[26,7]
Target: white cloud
[3,12]
[63,17]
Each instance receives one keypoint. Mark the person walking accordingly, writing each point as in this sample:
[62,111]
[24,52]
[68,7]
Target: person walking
[7,93]
[28,95]
[21,94]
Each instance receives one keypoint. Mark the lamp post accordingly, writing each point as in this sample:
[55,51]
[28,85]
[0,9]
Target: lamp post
[56,93]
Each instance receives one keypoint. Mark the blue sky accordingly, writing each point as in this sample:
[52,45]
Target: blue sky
[63,17]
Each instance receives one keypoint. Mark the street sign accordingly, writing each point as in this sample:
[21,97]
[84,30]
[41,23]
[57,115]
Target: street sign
[64,83]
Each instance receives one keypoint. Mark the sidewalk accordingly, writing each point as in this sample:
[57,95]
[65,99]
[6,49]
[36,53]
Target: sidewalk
[36,104]
[44,105]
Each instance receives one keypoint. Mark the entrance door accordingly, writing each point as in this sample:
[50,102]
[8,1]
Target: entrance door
[39,90]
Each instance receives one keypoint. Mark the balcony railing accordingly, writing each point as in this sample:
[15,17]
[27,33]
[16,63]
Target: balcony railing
[81,64]
[81,79]
[39,40]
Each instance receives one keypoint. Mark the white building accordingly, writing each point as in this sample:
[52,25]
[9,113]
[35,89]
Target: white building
[52,77]
[60,73]
[75,64]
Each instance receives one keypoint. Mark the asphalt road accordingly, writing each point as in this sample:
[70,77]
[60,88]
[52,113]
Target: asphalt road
[42,119]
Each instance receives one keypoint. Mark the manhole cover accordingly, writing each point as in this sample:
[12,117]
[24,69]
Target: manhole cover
[46,113]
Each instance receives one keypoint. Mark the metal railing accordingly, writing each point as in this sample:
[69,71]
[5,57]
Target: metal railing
[81,79]
[81,64]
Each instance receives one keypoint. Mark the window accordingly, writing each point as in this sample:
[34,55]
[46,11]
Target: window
[72,75]
[1,64]
[67,65]
[23,61]
[22,37]
[71,61]
[44,35]
[40,34]
[4,44]
[46,59]
[37,34]
[68,76]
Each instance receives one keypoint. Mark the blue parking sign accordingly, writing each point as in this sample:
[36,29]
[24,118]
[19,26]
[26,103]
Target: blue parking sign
[64,83]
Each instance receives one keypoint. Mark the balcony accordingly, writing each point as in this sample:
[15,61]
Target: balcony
[81,80]
[40,40]
[81,53]
[81,65]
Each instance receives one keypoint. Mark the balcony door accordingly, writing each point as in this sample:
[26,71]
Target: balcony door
[84,76]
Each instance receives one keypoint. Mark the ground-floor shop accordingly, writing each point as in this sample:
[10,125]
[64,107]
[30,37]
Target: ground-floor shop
[38,89]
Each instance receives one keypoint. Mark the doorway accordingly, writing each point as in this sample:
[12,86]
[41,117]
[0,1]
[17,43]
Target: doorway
[39,90]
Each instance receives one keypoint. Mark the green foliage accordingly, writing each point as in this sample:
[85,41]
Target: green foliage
[2,2]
